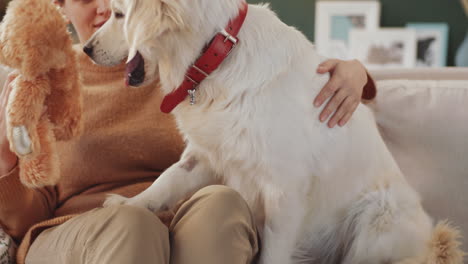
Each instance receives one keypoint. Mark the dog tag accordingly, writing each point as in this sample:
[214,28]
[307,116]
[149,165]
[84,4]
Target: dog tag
[192,96]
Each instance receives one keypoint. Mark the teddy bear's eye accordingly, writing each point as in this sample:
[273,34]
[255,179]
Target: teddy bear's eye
[119,15]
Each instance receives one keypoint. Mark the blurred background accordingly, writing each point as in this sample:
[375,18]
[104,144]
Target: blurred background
[393,13]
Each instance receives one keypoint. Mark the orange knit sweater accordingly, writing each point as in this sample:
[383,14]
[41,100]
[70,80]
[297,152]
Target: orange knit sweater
[125,145]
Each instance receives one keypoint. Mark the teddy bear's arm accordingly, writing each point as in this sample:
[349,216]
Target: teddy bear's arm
[24,109]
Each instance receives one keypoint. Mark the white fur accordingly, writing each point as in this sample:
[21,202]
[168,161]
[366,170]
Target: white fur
[21,142]
[327,195]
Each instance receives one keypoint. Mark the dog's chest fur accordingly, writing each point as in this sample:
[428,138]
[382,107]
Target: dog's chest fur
[254,121]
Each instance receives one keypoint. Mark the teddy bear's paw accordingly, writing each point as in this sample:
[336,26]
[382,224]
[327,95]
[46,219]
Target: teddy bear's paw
[21,141]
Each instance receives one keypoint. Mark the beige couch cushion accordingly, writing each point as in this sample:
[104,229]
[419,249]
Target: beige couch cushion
[425,126]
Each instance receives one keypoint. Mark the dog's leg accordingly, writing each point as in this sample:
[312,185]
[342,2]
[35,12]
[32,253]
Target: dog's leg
[179,181]
[283,223]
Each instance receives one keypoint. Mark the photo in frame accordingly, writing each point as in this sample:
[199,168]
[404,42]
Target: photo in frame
[465,6]
[335,19]
[432,44]
[384,48]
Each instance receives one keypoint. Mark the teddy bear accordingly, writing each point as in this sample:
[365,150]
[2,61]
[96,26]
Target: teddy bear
[44,105]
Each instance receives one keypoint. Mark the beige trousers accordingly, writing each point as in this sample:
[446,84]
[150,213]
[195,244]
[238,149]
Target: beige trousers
[214,227]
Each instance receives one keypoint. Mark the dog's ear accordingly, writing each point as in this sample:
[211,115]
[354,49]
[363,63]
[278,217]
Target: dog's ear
[172,10]
[161,15]
[156,16]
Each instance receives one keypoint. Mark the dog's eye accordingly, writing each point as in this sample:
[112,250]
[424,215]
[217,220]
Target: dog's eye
[119,15]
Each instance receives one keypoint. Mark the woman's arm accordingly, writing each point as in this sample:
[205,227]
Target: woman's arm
[348,85]
[21,207]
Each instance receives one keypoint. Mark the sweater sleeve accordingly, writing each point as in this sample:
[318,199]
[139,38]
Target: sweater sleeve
[370,91]
[22,207]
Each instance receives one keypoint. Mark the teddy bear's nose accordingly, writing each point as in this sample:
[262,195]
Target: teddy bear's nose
[88,50]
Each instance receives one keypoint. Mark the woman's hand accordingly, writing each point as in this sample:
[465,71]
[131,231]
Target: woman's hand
[345,88]
[8,159]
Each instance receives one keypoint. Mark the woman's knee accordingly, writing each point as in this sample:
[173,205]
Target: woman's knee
[215,205]
[133,234]
[223,197]
[216,224]
[133,219]
[103,235]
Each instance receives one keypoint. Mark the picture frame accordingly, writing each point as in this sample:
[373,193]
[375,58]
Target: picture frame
[384,48]
[465,6]
[432,44]
[335,19]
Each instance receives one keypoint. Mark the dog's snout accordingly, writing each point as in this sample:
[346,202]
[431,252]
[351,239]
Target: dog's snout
[88,50]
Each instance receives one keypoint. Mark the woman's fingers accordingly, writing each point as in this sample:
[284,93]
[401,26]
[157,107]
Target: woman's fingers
[328,90]
[333,104]
[346,109]
[327,66]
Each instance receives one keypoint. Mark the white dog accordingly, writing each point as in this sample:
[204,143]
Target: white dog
[327,195]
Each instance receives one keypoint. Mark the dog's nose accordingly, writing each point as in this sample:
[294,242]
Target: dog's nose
[88,50]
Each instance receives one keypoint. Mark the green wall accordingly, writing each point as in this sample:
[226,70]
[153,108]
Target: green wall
[394,13]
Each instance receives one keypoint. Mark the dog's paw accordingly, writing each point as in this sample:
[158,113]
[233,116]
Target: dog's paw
[21,142]
[115,199]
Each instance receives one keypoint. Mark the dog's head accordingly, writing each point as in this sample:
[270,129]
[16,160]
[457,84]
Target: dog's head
[131,32]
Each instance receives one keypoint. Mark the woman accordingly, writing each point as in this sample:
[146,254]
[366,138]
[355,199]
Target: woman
[126,143]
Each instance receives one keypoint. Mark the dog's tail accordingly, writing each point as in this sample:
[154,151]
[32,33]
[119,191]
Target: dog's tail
[444,247]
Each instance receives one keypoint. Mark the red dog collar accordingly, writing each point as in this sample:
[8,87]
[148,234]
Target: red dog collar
[217,51]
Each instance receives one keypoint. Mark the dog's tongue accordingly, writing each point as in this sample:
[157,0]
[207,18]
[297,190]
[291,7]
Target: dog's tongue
[134,70]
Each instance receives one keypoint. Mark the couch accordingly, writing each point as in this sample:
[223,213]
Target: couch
[422,115]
